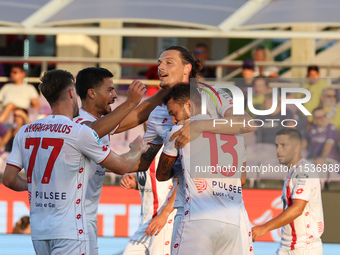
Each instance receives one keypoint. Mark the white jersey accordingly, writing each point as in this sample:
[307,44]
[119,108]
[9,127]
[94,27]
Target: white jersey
[305,231]
[96,178]
[55,156]
[211,166]
[154,194]
[217,103]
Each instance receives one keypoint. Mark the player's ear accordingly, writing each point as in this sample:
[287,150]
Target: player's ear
[91,93]
[187,69]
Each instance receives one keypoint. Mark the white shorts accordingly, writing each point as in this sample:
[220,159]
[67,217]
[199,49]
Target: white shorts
[140,243]
[246,234]
[207,237]
[61,246]
[92,229]
[313,251]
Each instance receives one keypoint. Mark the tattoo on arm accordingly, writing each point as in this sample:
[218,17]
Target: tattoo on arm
[164,171]
[151,153]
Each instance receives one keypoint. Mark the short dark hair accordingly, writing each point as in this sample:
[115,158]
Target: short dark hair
[188,58]
[89,78]
[313,68]
[203,45]
[183,92]
[248,64]
[53,83]
[318,109]
[291,132]
[20,67]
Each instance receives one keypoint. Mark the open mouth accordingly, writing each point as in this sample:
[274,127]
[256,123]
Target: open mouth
[163,75]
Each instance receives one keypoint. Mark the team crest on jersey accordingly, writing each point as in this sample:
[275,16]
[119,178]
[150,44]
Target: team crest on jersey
[201,185]
[96,136]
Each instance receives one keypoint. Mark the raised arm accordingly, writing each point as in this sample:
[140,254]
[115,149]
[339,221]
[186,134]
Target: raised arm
[13,180]
[109,122]
[141,113]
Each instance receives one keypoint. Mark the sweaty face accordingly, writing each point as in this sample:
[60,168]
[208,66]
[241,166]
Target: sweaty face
[105,96]
[171,70]
[177,112]
[285,149]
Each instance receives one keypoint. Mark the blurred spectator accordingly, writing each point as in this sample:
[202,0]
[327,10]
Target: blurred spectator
[261,54]
[331,107]
[201,52]
[315,85]
[272,123]
[5,135]
[298,116]
[322,139]
[152,74]
[248,70]
[23,226]
[260,89]
[17,95]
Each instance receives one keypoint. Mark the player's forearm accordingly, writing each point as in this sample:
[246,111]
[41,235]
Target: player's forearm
[164,167]
[146,159]
[286,217]
[229,125]
[17,184]
[141,113]
[106,124]
[169,207]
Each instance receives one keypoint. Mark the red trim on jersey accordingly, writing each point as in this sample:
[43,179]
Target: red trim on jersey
[155,144]
[154,187]
[104,158]
[115,130]
[290,202]
[169,155]
[13,165]
[301,199]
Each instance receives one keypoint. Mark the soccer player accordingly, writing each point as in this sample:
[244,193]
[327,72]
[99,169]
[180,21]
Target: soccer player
[177,65]
[302,217]
[214,201]
[55,153]
[96,91]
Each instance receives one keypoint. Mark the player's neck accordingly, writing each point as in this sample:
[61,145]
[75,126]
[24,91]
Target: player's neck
[90,108]
[294,161]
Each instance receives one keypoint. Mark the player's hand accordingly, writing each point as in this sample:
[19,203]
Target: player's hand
[258,231]
[128,182]
[139,144]
[135,92]
[156,224]
[187,133]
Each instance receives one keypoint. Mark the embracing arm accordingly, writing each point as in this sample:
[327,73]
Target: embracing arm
[121,164]
[107,123]
[13,180]
[229,125]
[141,113]
[146,159]
[286,217]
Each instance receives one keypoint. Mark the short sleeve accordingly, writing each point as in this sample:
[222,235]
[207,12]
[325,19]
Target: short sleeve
[15,158]
[304,186]
[218,101]
[92,146]
[169,147]
[151,133]
[33,93]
